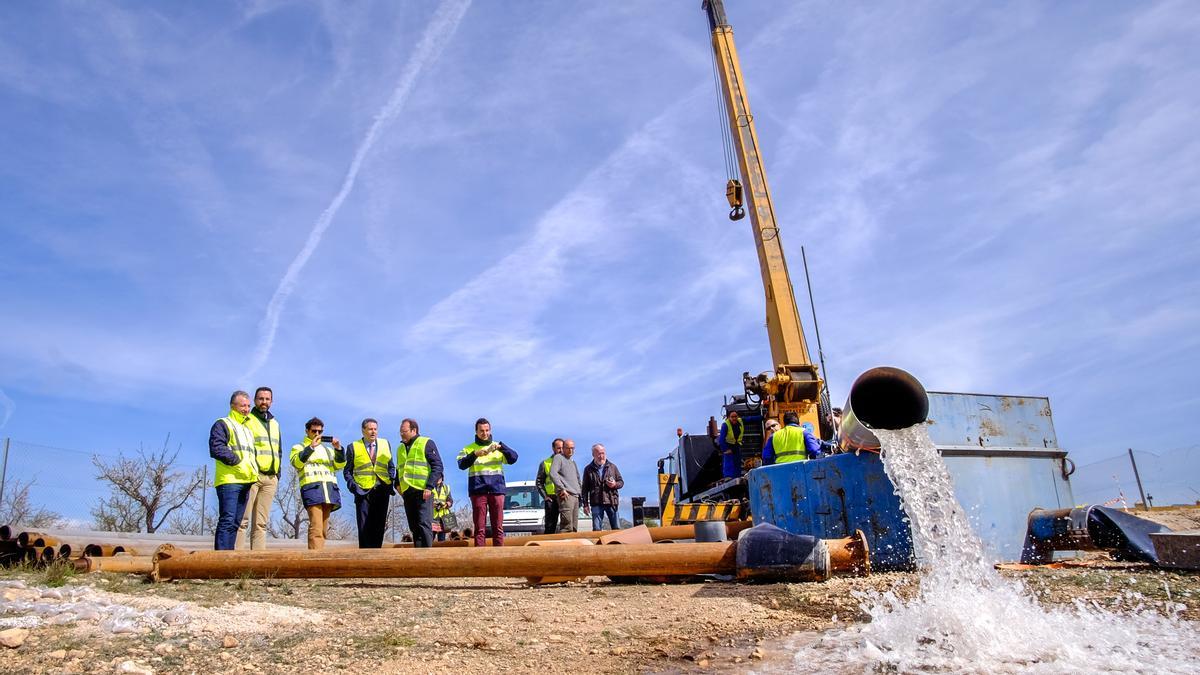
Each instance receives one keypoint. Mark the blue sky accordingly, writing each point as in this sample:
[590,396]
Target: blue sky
[516,210]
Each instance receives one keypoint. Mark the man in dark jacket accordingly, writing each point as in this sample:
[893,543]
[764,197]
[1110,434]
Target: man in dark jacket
[601,481]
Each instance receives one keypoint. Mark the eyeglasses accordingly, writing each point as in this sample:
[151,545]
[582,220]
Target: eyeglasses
[316,429]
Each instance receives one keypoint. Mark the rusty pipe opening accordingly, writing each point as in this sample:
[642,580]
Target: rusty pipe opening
[882,398]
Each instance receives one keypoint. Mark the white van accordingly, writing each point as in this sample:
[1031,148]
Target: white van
[524,510]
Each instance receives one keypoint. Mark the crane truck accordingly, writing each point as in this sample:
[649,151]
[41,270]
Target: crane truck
[690,482]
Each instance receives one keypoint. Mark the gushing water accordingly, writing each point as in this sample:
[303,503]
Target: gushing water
[966,618]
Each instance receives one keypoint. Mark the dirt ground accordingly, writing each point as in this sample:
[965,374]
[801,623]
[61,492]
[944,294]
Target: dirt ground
[465,626]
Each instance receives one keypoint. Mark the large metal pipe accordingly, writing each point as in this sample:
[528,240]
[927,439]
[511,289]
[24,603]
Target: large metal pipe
[505,561]
[36,540]
[129,564]
[104,550]
[881,398]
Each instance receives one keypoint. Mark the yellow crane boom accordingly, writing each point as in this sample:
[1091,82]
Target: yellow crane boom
[794,384]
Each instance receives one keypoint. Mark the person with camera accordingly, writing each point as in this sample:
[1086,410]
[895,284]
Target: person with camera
[484,461]
[419,470]
[370,475]
[444,519]
[601,482]
[315,460]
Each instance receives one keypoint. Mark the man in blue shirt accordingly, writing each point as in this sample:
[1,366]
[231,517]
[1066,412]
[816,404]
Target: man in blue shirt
[729,440]
[792,443]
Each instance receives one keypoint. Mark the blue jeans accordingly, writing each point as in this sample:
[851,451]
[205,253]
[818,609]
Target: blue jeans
[231,506]
[599,511]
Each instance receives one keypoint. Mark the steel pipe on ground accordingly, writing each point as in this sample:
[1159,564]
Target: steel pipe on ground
[517,561]
[129,564]
[35,540]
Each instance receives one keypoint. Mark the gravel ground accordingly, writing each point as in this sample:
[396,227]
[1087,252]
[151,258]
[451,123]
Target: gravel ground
[466,626]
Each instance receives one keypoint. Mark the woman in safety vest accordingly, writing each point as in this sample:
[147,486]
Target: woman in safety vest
[315,464]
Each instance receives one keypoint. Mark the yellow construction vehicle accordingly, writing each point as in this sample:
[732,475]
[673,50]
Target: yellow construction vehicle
[691,486]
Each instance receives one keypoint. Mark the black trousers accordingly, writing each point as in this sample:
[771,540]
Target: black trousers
[372,511]
[419,512]
[551,515]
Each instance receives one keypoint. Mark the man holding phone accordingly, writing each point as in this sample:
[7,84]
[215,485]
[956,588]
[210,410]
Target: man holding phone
[484,461]
[601,482]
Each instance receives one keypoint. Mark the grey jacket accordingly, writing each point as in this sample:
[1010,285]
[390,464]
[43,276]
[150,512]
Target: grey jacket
[565,475]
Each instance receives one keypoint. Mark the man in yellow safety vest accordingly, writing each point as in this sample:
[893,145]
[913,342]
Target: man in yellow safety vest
[484,461]
[545,486]
[370,475]
[418,470]
[792,443]
[231,444]
[268,454]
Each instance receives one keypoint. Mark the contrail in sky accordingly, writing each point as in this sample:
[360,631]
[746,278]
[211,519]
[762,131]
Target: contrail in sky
[437,35]
[6,408]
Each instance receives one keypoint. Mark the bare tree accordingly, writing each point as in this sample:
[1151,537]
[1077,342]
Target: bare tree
[144,489]
[18,509]
[397,524]
[115,513]
[189,522]
[341,527]
[290,516]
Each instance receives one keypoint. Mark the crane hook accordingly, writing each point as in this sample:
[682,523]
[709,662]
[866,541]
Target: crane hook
[733,193]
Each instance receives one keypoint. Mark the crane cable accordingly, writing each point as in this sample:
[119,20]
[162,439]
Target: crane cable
[733,187]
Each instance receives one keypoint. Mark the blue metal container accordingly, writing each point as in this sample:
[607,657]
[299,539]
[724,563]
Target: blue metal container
[1001,452]
[832,497]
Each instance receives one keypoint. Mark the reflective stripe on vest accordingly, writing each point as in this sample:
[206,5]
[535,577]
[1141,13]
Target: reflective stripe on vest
[414,469]
[320,465]
[441,494]
[241,442]
[491,464]
[730,437]
[550,489]
[266,444]
[367,473]
[789,446]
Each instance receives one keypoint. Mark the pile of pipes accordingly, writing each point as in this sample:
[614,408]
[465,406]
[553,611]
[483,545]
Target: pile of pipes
[40,549]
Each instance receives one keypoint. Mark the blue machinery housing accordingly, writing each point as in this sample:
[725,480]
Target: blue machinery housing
[1002,454]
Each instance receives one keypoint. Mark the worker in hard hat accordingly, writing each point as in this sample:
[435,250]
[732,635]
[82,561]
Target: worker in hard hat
[315,459]
[370,474]
[419,469]
[484,461]
[792,443]
[545,487]
[231,444]
[729,440]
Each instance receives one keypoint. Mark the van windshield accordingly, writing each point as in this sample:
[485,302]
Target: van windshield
[522,498]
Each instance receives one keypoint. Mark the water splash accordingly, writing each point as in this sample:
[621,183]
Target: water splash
[966,618]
